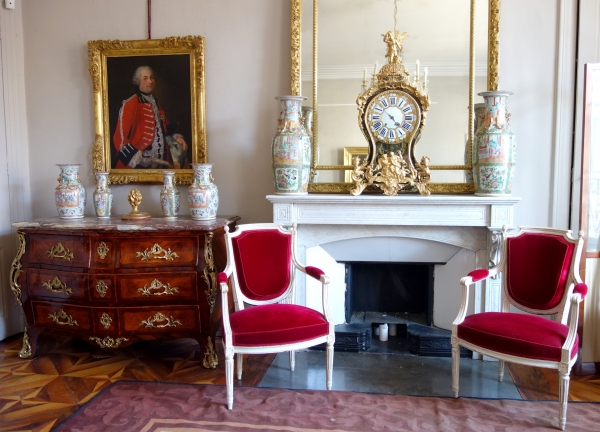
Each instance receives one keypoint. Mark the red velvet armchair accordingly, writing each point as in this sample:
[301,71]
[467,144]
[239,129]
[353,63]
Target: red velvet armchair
[540,276]
[261,265]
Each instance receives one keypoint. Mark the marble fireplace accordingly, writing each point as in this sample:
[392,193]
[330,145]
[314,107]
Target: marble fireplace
[457,233]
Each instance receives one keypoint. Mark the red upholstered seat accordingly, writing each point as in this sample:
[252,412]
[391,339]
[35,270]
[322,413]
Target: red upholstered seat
[277,324]
[539,268]
[516,334]
[261,267]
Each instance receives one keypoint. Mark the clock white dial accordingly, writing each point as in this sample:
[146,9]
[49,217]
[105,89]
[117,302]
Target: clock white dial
[391,116]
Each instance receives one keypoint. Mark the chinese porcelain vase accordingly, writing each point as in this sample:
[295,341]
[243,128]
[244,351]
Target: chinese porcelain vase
[203,195]
[291,149]
[102,196]
[169,196]
[70,193]
[494,149]
[479,114]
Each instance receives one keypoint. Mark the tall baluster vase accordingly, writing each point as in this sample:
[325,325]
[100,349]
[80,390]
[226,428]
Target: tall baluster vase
[169,196]
[103,196]
[203,195]
[495,148]
[479,114]
[69,195]
[291,149]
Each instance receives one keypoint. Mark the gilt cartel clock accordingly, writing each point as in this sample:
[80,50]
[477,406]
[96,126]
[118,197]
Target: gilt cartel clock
[391,115]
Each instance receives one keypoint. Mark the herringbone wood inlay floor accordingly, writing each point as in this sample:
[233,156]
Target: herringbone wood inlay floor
[37,394]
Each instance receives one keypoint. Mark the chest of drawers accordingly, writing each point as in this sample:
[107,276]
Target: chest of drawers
[114,282]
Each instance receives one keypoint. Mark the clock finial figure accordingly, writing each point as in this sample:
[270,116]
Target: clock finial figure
[394,39]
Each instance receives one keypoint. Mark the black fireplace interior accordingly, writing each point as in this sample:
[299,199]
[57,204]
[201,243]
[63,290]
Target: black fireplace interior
[391,288]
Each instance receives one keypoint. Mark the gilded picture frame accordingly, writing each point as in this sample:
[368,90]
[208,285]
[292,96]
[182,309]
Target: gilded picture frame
[177,104]
[349,154]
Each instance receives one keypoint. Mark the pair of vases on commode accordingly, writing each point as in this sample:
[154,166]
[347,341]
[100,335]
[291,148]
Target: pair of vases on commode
[70,196]
[203,195]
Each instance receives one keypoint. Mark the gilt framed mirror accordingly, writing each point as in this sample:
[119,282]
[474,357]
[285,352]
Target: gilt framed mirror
[336,48]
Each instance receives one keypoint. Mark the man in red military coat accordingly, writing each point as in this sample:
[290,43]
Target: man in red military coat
[140,135]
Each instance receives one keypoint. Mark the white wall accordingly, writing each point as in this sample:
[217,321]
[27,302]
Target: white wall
[529,50]
[247,65]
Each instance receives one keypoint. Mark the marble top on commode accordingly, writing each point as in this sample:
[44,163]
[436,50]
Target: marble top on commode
[183,223]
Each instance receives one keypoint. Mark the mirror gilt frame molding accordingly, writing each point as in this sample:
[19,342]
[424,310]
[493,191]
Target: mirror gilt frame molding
[492,85]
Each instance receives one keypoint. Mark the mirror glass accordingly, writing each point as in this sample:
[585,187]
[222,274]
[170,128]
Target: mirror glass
[350,47]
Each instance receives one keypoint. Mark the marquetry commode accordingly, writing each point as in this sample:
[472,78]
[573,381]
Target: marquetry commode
[114,282]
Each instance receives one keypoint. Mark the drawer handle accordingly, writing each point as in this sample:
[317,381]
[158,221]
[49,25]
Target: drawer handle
[156,250]
[108,342]
[62,315]
[59,251]
[156,284]
[159,317]
[105,320]
[101,288]
[102,250]
[57,286]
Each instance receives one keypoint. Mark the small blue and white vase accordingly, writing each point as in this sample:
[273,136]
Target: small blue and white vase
[169,196]
[102,196]
[69,195]
[292,149]
[495,148]
[203,195]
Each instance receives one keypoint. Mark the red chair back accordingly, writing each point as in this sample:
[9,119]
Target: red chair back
[537,268]
[263,261]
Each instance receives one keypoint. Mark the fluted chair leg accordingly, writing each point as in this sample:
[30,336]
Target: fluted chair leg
[455,369]
[563,397]
[329,370]
[500,370]
[240,365]
[229,380]
[292,360]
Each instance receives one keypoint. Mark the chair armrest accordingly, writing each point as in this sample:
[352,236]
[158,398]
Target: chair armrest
[478,275]
[474,276]
[581,289]
[579,292]
[222,280]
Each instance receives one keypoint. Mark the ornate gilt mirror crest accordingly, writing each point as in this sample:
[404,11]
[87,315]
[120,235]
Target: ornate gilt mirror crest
[457,40]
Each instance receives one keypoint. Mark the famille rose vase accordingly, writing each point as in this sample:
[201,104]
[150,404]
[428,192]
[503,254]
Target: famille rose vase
[479,114]
[203,195]
[494,149]
[291,149]
[102,196]
[169,196]
[69,195]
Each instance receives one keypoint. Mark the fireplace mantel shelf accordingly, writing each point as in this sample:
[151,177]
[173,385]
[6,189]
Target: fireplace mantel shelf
[434,210]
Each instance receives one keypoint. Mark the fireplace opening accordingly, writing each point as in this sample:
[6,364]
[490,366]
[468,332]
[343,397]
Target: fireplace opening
[399,295]
[395,289]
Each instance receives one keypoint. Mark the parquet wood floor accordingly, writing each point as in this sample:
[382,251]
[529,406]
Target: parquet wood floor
[37,394]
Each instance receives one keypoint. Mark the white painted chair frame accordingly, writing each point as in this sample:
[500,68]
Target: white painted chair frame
[287,297]
[563,314]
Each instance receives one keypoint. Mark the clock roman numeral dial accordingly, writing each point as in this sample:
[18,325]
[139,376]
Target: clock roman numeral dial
[392,116]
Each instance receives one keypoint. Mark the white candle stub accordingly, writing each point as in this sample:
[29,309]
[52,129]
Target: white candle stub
[383,332]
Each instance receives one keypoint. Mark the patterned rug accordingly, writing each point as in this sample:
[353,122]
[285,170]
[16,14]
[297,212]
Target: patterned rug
[149,406]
